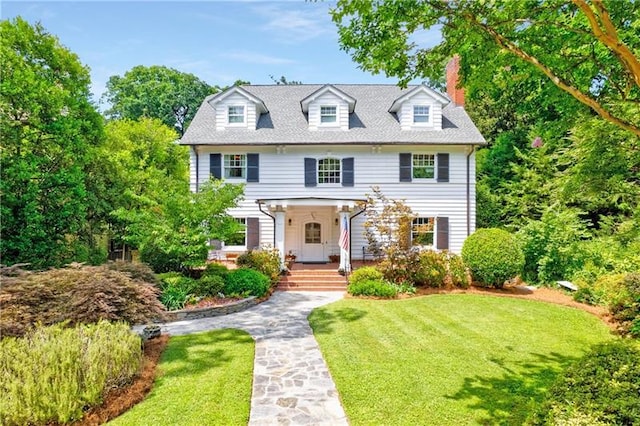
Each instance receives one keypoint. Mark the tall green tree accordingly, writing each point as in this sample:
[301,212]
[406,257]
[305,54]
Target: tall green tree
[587,49]
[48,128]
[141,167]
[156,92]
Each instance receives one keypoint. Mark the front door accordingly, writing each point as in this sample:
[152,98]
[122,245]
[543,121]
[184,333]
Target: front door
[313,242]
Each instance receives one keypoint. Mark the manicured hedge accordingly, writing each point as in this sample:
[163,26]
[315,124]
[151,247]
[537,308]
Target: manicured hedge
[493,255]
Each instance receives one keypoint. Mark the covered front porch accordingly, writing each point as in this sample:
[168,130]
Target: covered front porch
[313,231]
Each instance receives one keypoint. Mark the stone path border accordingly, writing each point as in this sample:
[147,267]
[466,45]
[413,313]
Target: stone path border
[291,381]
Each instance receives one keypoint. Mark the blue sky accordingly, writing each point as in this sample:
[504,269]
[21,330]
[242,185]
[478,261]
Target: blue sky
[218,41]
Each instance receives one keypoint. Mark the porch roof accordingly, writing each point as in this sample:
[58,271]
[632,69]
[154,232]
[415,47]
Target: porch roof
[311,201]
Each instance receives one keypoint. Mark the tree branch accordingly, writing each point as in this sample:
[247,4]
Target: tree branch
[609,37]
[561,83]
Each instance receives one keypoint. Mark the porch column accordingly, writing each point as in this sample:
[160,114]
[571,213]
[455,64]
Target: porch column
[279,233]
[344,241]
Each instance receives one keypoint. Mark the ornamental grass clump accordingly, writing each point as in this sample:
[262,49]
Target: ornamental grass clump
[493,256]
[54,373]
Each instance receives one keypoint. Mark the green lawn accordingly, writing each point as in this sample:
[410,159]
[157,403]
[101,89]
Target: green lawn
[203,379]
[448,359]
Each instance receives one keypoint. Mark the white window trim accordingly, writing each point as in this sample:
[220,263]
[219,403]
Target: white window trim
[329,184]
[224,168]
[243,221]
[427,123]
[329,123]
[244,116]
[435,167]
[435,232]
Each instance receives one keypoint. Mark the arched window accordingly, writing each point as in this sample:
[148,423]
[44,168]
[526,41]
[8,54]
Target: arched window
[329,170]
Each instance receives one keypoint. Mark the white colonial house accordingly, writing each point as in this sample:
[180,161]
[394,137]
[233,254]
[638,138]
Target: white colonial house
[308,154]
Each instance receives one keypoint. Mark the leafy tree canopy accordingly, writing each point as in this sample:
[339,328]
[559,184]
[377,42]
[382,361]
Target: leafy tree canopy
[48,126]
[586,49]
[157,92]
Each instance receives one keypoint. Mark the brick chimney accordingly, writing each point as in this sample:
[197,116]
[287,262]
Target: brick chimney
[455,93]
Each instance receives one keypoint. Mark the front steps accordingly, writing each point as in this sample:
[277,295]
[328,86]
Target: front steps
[300,279]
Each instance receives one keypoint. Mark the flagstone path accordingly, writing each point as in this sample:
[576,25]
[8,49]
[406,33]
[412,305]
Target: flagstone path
[291,381]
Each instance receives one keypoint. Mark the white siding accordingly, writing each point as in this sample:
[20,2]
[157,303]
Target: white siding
[222,121]
[405,114]
[282,176]
[329,99]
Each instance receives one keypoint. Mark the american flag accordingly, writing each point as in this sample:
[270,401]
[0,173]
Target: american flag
[344,234]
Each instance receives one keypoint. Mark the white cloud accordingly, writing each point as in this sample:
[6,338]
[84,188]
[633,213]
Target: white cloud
[256,58]
[296,25]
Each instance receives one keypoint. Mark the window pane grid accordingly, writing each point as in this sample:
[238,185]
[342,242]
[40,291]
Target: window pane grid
[236,114]
[422,231]
[328,114]
[235,165]
[424,166]
[329,170]
[312,233]
[420,114]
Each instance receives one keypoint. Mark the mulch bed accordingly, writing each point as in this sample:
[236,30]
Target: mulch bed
[210,302]
[120,400]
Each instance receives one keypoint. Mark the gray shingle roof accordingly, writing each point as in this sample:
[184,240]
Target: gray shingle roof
[370,123]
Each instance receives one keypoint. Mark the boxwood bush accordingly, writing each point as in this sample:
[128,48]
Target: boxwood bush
[371,287]
[266,261]
[51,374]
[493,256]
[601,388]
[246,281]
[365,273]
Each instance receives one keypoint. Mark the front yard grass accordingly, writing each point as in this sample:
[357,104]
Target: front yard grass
[203,378]
[449,359]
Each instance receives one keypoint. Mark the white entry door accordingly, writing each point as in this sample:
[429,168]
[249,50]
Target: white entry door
[313,242]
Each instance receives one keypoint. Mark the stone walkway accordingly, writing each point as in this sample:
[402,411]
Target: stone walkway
[291,382]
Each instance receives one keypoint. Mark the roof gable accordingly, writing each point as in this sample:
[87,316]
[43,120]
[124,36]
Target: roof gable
[397,103]
[304,103]
[260,105]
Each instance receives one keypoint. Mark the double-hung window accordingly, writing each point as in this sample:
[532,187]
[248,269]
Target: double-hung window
[235,166]
[421,114]
[424,166]
[240,237]
[328,114]
[423,231]
[235,114]
[329,170]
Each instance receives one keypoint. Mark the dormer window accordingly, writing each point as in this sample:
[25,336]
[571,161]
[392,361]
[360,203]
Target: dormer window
[328,114]
[421,114]
[236,114]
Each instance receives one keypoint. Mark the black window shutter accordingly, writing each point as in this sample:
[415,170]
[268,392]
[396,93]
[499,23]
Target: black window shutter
[442,242]
[253,167]
[215,166]
[310,178]
[443,167]
[347,171]
[405,167]
[253,233]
